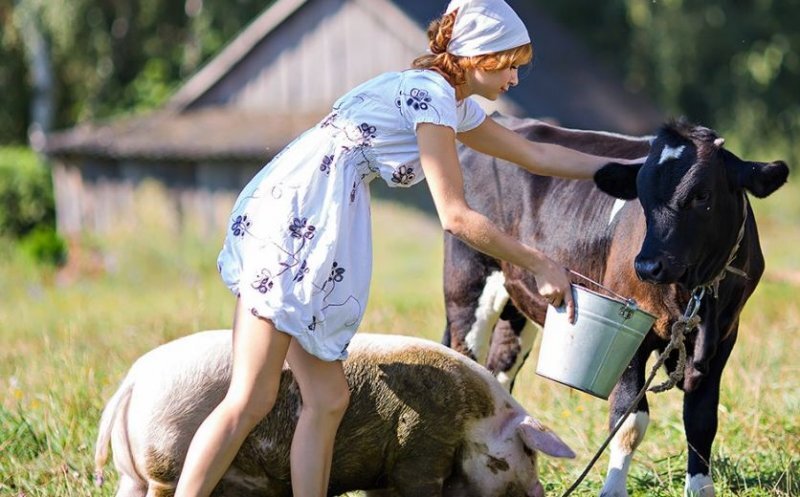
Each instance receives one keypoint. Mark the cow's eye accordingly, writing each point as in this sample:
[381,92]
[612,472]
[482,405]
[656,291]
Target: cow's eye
[700,200]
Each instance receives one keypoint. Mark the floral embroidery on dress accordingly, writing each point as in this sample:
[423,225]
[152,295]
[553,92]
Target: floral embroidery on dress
[354,190]
[367,131]
[301,272]
[240,225]
[336,276]
[301,229]
[337,273]
[328,287]
[329,119]
[263,282]
[326,165]
[403,175]
[418,99]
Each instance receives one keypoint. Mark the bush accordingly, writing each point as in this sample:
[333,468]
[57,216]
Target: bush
[44,245]
[26,193]
[27,210]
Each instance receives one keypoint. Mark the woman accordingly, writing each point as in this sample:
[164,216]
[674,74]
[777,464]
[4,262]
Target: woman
[298,251]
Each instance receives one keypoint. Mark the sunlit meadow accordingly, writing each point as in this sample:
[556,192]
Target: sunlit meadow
[69,336]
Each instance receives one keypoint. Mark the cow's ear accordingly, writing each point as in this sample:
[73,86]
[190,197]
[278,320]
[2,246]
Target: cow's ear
[759,178]
[536,436]
[618,180]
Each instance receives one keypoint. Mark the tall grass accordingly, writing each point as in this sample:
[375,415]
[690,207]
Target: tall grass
[68,337]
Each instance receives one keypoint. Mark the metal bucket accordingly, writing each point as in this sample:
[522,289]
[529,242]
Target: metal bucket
[591,354]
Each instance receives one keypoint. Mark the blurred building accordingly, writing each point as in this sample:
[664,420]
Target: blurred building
[280,76]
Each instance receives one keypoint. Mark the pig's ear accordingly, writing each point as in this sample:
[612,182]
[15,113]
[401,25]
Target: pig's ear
[536,436]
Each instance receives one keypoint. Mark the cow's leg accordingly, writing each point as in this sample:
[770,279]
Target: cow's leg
[474,297]
[632,432]
[700,423]
[512,342]
[490,305]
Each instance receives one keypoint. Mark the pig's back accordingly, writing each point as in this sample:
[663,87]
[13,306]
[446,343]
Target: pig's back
[411,400]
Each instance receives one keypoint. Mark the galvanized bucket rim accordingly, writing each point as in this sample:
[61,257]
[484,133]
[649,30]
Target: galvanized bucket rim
[614,299]
[611,334]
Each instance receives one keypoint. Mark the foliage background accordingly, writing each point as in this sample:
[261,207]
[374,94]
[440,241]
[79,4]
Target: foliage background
[110,57]
[69,337]
[731,64]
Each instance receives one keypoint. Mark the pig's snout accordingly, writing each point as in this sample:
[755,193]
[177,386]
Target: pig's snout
[538,490]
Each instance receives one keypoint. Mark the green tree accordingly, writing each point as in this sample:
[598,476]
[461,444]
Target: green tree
[15,94]
[112,56]
[732,65]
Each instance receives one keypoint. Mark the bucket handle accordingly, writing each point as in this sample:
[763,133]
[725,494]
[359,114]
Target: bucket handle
[630,304]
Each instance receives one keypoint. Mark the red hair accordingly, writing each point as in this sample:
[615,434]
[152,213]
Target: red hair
[440,31]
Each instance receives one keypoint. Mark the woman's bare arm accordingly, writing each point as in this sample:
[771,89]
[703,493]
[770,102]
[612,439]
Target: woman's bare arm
[546,159]
[443,173]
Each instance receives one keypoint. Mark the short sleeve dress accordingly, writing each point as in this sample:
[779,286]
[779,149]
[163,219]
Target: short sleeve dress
[298,249]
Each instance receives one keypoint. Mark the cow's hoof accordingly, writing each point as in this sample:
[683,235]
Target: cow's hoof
[605,493]
[699,486]
[614,491]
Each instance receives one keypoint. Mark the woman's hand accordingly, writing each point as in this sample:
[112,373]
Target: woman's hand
[553,284]
[443,174]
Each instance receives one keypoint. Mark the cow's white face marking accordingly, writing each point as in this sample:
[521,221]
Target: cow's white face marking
[490,305]
[699,486]
[619,462]
[618,204]
[669,153]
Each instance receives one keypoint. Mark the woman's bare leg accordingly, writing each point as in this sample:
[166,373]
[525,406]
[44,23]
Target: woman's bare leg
[325,395]
[259,350]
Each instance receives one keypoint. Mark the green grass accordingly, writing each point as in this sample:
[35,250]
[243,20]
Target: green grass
[68,338]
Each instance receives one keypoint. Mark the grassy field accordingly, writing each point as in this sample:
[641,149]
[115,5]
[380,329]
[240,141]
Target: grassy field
[68,338]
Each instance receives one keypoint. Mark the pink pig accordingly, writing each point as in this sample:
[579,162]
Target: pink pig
[423,421]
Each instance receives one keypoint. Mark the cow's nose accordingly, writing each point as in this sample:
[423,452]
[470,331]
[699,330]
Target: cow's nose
[651,270]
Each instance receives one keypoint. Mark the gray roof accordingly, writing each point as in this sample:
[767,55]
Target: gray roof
[207,134]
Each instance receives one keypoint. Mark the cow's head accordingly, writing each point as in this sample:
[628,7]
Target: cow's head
[692,193]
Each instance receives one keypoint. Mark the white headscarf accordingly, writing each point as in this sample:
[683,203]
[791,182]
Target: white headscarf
[485,26]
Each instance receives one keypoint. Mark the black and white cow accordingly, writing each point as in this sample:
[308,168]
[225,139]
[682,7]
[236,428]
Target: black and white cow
[693,210]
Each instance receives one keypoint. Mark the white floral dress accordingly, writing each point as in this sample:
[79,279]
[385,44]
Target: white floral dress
[298,250]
